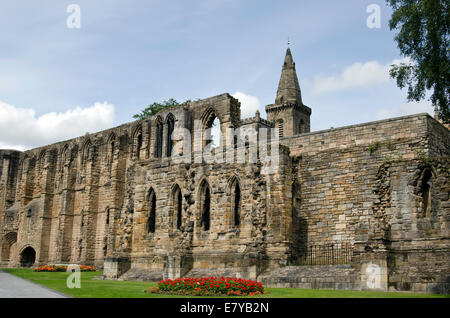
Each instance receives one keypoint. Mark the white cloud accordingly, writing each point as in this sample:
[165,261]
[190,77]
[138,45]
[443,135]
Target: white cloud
[406,109]
[356,75]
[21,129]
[249,104]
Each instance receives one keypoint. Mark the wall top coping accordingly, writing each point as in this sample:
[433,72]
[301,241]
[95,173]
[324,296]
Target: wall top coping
[367,124]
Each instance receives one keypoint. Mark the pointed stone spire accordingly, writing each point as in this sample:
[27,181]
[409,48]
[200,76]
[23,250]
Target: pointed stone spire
[288,88]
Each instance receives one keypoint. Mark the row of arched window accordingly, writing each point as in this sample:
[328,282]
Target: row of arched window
[204,207]
[211,127]
[162,138]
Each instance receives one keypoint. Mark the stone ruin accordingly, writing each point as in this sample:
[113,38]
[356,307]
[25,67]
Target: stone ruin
[362,207]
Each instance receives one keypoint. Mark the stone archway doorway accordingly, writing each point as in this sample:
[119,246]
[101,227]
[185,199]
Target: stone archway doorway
[27,257]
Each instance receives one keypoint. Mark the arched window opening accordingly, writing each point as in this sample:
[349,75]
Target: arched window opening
[213,133]
[178,207]
[170,128]
[280,128]
[86,154]
[159,139]
[426,192]
[216,135]
[205,206]
[138,143]
[236,203]
[151,223]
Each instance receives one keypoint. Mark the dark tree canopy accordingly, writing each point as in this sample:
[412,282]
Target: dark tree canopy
[423,36]
[154,108]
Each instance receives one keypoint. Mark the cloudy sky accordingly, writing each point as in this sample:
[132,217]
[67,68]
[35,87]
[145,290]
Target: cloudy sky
[58,82]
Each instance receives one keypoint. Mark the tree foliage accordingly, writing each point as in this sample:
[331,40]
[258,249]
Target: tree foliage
[154,108]
[423,36]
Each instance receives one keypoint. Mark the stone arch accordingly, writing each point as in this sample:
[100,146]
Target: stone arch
[27,256]
[137,139]
[170,123]
[177,206]
[63,155]
[159,126]
[8,243]
[204,201]
[111,138]
[235,193]
[151,220]
[207,114]
[210,119]
[86,152]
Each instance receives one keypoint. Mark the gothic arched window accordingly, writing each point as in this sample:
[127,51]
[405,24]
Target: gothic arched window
[151,223]
[170,128]
[212,133]
[86,154]
[205,205]
[137,142]
[159,138]
[177,200]
[236,203]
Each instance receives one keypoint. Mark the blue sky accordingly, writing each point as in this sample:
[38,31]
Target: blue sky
[128,54]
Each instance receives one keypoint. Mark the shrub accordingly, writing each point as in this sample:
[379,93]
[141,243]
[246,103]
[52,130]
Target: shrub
[63,268]
[209,286]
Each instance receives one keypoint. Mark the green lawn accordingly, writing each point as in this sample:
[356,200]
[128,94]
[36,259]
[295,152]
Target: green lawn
[91,288]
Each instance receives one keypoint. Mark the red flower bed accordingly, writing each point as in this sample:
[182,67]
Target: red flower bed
[62,268]
[209,286]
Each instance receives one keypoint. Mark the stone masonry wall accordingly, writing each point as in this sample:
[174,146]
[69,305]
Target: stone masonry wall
[379,188]
[358,185]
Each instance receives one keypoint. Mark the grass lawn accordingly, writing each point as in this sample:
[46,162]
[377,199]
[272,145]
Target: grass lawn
[91,288]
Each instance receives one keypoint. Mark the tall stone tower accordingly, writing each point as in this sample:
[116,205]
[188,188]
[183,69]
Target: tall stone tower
[289,113]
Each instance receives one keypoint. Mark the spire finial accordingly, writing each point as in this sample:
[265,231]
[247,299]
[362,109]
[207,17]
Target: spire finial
[289,42]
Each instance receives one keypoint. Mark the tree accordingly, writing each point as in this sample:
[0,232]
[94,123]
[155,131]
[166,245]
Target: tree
[423,37]
[154,108]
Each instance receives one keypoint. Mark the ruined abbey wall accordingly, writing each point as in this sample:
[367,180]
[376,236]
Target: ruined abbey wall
[358,207]
[84,199]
